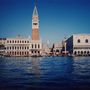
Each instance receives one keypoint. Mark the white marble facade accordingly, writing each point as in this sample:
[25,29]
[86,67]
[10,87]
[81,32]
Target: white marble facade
[22,47]
[79,44]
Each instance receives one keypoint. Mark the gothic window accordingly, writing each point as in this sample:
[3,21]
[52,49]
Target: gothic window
[78,52]
[22,47]
[12,53]
[38,52]
[87,52]
[38,46]
[75,52]
[20,41]
[12,47]
[15,53]
[32,51]
[7,41]
[78,41]
[27,47]
[25,41]
[10,41]
[17,47]
[84,52]
[81,52]
[35,46]
[7,47]
[20,53]
[32,45]
[86,41]
[27,53]
[13,41]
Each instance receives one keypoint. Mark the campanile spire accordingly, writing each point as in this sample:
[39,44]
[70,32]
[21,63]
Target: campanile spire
[35,12]
[35,23]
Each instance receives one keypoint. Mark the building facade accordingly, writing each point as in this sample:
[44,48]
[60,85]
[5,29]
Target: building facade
[57,50]
[2,46]
[17,46]
[79,44]
[22,47]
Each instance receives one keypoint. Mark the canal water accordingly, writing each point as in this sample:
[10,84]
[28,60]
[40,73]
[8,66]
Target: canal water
[45,73]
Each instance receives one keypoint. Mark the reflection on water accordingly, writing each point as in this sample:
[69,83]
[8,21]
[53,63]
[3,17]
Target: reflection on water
[35,66]
[52,73]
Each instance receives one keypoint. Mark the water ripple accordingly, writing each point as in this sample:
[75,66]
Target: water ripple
[52,73]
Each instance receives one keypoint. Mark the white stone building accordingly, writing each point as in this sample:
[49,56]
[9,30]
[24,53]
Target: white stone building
[22,47]
[79,44]
[2,46]
[57,50]
[17,46]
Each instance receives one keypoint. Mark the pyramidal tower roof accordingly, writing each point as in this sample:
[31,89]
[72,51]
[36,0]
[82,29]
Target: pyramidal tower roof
[35,12]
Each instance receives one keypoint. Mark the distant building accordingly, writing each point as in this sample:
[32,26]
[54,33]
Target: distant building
[78,44]
[2,41]
[64,47]
[57,50]
[2,46]
[45,50]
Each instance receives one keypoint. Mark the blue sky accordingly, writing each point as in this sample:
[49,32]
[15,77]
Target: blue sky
[58,18]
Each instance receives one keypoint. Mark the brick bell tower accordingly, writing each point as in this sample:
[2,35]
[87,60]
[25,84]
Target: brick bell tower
[35,24]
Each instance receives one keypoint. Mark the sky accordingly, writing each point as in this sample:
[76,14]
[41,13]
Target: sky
[57,18]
